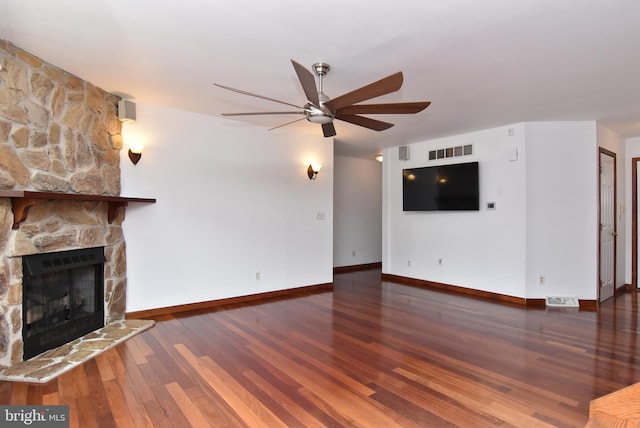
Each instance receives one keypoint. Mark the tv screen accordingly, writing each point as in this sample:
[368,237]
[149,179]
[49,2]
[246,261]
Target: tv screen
[441,188]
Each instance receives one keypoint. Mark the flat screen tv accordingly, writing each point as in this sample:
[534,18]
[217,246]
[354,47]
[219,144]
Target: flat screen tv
[452,187]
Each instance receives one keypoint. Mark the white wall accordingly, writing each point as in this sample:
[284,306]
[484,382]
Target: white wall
[357,202]
[545,222]
[562,209]
[483,250]
[232,200]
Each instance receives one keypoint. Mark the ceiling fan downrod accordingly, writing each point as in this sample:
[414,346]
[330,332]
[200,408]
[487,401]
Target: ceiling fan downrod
[321,69]
[322,115]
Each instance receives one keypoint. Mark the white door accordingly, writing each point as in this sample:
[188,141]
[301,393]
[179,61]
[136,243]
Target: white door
[607,225]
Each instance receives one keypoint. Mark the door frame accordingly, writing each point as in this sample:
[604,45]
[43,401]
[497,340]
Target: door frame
[603,151]
[634,222]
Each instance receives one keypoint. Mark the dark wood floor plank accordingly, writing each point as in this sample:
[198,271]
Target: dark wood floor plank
[74,421]
[134,405]
[34,394]
[340,397]
[155,375]
[250,410]
[19,394]
[86,419]
[107,406]
[309,360]
[122,411]
[368,354]
[104,367]
[455,408]
[188,407]
[301,415]
[416,413]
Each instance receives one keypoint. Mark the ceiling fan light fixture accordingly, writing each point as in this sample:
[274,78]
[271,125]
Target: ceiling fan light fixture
[316,115]
[320,118]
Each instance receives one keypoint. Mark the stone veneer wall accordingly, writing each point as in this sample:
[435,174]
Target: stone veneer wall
[58,133]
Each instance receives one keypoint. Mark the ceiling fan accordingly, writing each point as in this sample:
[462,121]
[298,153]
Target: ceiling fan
[319,108]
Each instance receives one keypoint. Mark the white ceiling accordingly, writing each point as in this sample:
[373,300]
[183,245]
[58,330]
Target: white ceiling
[481,63]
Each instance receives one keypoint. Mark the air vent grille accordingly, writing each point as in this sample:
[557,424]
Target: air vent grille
[562,302]
[451,152]
[37,264]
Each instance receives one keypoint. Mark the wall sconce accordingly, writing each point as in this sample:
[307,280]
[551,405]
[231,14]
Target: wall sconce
[379,158]
[313,170]
[135,152]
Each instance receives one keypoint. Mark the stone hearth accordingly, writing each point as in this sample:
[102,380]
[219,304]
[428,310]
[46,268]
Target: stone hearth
[48,365]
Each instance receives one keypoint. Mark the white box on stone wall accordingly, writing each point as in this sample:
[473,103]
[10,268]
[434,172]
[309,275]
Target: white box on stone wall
[126,111]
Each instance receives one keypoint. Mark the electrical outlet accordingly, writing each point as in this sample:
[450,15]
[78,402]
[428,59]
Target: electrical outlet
[257,276]
[439,262]
[409,263]
[353,253]
[541,280]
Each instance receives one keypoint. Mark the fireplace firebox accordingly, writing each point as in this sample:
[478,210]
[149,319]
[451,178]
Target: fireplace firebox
[63,297]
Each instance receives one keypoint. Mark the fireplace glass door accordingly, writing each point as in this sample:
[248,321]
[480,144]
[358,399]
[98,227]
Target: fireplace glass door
[63,297]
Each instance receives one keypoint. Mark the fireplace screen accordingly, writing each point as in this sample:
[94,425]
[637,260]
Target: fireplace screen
[63,297]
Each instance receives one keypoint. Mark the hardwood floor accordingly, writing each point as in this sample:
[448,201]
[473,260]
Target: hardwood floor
[370,354]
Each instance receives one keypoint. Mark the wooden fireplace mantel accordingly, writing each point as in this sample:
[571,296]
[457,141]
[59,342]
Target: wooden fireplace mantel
[22,200]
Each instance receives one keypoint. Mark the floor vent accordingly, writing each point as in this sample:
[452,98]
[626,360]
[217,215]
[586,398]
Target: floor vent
[562,302]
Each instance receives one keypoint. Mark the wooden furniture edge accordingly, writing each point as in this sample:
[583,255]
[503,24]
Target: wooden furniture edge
[618,408]
[240,300]
[22,200]
[355,268]
[480,294]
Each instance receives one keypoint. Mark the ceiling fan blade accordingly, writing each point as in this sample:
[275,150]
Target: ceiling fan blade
[392,108]
[285,124]
[376,125]
[240,91]
[308,82]
[256,113]
[383,86]
[328,129]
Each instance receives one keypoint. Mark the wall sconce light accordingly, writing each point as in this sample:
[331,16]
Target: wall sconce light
[313,170]
[135,152]
[379,158]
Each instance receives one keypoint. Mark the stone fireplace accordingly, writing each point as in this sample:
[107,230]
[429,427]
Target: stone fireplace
[58,134]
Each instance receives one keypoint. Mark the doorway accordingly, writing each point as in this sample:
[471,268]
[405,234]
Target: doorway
[607,225]
[634,222]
